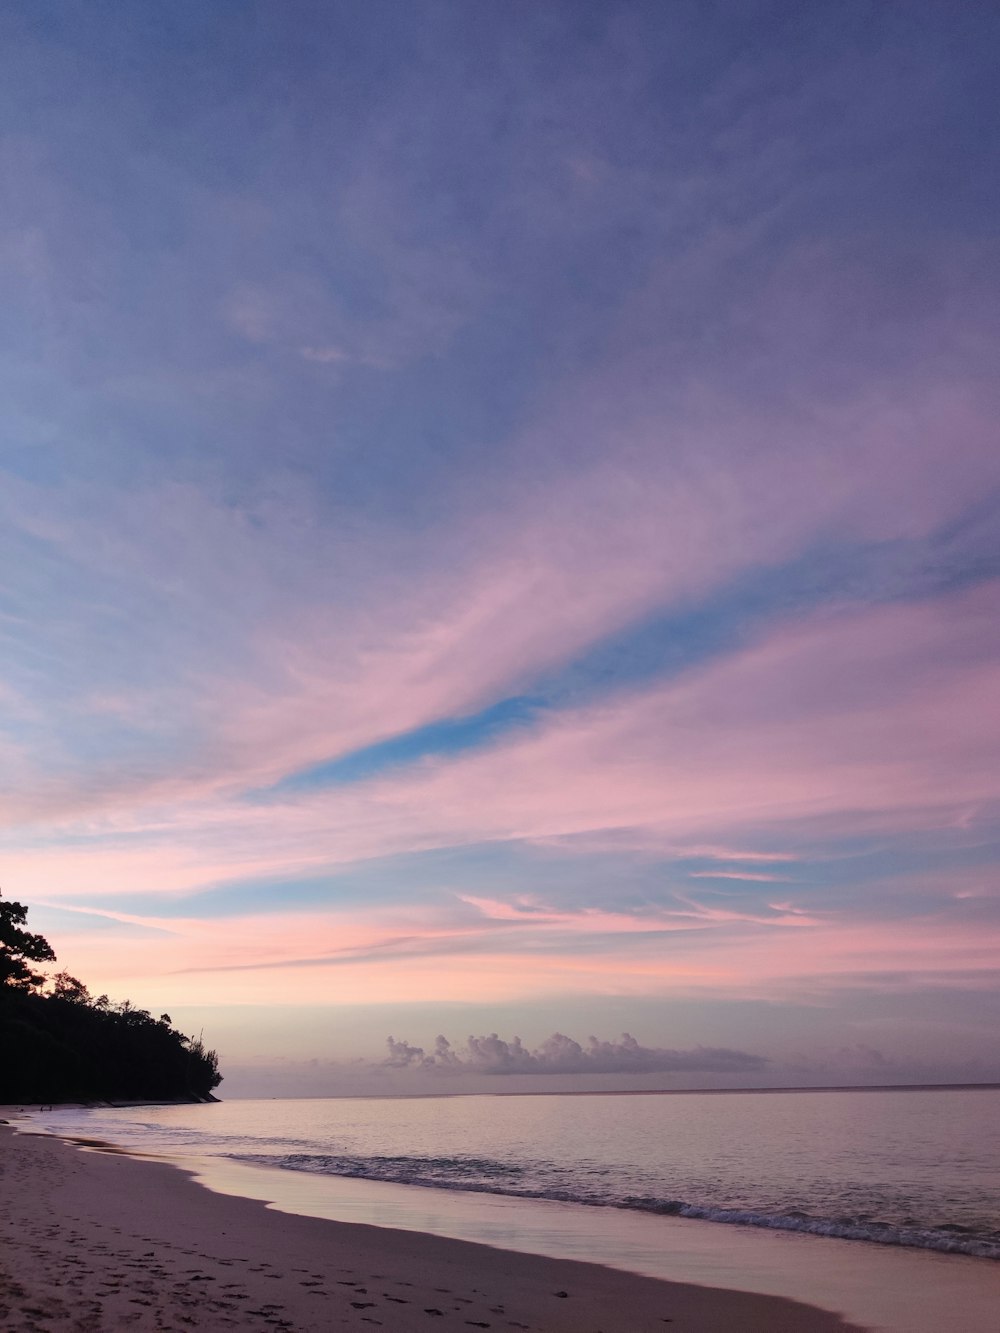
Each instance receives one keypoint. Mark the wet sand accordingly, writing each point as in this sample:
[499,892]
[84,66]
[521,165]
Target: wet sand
[98,1240]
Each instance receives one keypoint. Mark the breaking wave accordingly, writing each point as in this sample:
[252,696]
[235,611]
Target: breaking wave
[593,1187]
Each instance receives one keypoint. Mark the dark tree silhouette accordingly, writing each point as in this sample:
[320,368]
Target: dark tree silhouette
[19,947]
[65,1046]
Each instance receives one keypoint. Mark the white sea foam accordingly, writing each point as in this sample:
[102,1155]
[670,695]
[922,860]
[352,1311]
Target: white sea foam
[485,1176]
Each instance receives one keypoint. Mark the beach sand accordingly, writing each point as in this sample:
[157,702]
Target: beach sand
[95,1240]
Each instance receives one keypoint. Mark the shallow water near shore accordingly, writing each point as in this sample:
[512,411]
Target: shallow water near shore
[586,1178]
[917,1169]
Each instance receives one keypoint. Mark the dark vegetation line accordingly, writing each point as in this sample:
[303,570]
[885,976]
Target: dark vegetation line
[60,1044]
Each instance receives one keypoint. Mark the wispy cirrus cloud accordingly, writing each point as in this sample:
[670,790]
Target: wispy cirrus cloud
[853,718]
[273,635]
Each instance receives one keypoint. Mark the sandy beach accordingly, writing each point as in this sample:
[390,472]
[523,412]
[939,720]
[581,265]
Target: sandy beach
[95,1240]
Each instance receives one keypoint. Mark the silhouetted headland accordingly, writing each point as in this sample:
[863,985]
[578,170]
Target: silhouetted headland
[60,1044]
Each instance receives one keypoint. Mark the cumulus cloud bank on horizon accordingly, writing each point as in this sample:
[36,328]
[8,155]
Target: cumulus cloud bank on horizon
[560,1054]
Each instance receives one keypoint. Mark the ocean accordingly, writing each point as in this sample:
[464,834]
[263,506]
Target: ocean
[916,1169]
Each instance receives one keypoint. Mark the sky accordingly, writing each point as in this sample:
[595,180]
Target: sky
[499,534]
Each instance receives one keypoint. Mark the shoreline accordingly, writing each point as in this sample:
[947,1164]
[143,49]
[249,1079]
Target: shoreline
[212,1099]
[93,1240]
[891,1289]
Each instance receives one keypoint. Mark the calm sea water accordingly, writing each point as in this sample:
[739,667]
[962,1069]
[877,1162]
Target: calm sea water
[918,1169]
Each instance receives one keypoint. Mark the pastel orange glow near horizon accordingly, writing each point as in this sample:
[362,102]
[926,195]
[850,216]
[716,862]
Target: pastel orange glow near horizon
[508,553]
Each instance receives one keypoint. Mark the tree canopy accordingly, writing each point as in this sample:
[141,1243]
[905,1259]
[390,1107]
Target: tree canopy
[58,1043]
[19,947]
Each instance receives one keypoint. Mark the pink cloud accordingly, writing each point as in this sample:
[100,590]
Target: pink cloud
[358,956]
[687,915]
[885,718]
[292,634]
[746,875]
[888,710]
[279,634]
